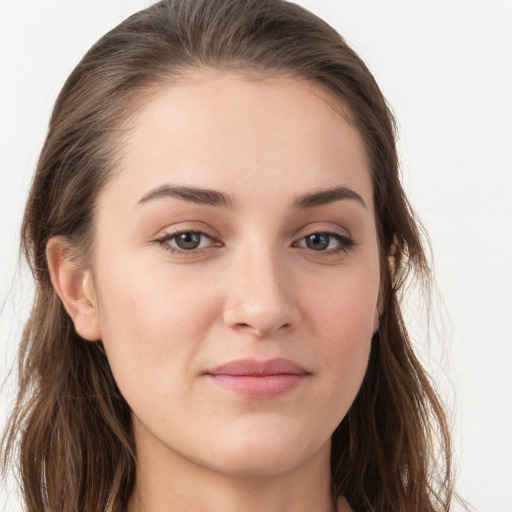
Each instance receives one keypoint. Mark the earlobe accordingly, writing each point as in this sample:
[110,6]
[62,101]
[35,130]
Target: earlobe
[74,286]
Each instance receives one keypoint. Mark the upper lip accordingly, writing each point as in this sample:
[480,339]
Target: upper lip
[253,367]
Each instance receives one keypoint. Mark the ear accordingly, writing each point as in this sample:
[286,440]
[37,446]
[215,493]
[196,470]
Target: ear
[380,301]
[74,286]
[378,311]
[391,257]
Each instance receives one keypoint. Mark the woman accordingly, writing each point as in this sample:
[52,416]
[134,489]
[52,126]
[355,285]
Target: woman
[219,239]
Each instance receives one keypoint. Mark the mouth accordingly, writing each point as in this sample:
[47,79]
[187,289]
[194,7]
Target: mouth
[259,379]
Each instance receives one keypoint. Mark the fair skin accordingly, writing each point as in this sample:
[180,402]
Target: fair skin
[269,268]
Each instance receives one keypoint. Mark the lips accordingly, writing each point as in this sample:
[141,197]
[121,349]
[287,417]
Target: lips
[259,379]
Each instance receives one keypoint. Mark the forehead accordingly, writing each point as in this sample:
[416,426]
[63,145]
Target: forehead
[247,137]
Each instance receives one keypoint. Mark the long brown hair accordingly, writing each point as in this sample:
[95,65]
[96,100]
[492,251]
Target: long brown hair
[70,426]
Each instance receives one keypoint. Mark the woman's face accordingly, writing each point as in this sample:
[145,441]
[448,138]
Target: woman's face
[236,273]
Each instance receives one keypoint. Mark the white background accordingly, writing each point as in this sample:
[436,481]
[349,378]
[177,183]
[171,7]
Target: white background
[445,67]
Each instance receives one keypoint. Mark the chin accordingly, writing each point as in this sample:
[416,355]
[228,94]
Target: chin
[267,453]
[257,464]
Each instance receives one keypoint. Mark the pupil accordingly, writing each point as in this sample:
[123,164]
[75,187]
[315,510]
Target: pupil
[317,241]
[188,240]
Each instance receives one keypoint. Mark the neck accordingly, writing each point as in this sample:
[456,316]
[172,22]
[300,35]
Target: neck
[167,481]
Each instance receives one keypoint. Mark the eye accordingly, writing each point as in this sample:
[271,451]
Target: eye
[185,241]
[326,242]
[190,240]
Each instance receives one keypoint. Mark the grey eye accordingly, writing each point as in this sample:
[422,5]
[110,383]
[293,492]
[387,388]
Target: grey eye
[188,241]
[318,241]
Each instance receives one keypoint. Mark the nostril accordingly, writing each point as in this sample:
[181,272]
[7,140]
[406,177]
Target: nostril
[262,331]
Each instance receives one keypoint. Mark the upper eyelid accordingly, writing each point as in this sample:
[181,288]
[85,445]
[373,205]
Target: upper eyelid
[342,233]
[323,226]
[171,231]
[328,231]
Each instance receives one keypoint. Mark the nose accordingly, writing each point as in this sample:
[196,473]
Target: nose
[260,294]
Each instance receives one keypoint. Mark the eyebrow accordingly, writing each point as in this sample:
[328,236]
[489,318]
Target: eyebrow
[327,196]
[211,197]
[193,194]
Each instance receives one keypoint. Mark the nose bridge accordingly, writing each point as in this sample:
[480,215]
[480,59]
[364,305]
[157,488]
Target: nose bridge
[259,295]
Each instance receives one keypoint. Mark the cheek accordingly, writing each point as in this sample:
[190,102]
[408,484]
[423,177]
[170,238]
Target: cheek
[348,330]
[344,305]
[152,320]
[343,317]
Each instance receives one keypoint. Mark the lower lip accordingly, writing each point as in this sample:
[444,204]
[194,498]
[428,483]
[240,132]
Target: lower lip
[266,386]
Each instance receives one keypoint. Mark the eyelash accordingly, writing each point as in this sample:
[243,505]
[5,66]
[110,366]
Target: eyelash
[164,242]
[346,243]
